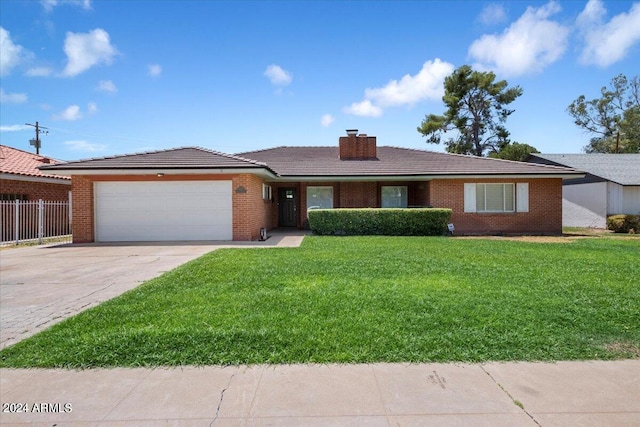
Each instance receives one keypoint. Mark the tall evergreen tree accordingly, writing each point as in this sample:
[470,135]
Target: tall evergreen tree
[476,113]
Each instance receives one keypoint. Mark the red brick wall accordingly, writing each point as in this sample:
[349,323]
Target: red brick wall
[250,212]
[359,195]
[36,190]
[544,216]
[82,206]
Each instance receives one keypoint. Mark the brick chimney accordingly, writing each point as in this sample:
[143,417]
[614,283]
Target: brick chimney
[357,147]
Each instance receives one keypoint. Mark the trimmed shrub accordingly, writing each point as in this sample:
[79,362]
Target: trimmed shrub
[386,222]
[624,223]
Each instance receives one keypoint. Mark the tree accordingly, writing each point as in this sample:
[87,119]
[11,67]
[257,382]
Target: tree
[613,119]
[475,109]
[514,151]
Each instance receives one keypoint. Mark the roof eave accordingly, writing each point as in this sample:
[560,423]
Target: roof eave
[261,171]
[63,180]
[423,177]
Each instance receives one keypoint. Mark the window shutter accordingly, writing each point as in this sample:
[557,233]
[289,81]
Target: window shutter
[469,197]
[522,193]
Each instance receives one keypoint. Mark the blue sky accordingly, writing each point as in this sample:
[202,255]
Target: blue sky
[114,77]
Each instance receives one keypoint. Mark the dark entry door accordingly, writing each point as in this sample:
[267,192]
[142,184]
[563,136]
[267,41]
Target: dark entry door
[287,207]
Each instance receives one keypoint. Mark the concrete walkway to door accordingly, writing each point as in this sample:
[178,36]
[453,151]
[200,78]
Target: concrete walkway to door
[42,285]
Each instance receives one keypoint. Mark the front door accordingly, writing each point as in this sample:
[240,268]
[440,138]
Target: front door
[287,207]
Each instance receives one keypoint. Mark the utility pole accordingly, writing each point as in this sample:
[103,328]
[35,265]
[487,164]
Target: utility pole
[36,142]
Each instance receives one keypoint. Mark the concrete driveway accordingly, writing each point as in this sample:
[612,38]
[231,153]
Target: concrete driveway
[42,285]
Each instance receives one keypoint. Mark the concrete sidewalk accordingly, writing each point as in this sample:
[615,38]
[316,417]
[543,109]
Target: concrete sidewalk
[592,393]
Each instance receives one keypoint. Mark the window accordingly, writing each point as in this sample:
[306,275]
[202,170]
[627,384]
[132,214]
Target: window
[7,197]
[266,192]
[319,198]
[494,198]
[394,197]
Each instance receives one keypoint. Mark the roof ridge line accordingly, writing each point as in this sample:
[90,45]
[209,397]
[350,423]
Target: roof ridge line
[230,156]
[117,156]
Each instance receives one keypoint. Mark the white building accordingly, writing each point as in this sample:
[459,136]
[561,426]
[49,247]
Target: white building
[611,186]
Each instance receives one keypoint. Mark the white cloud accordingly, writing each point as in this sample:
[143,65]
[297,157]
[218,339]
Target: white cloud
[607,43]
[592,13]
[11,54]
[278,76]
[48,5]
[527,46]
[81,145]
[13,128]
[12,98]
[71,113]
[39,72]
[409,90]
[493,14]
[92,108]
[364,108]
[107,86]
[326,120]
[155,70]
[84,50]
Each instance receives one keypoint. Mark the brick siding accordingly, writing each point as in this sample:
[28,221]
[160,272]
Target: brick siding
[36,190]
[250,212]
[82,206]
[544,216]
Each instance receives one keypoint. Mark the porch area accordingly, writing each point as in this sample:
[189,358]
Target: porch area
[290,201]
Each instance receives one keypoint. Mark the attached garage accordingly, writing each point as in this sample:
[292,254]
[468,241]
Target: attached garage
[128,211]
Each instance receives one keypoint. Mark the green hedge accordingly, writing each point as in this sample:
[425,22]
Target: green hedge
[386,222]
[624,223]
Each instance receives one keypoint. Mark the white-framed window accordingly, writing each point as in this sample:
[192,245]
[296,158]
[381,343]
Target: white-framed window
[394,196]
[496,197]
[266,192]
[319,197]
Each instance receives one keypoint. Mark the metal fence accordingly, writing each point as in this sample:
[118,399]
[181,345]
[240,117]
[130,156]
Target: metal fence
[34,221]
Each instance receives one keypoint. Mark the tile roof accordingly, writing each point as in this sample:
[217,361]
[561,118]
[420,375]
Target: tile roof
[19,162]
[623,169]
[324,161]
[320,162]
[175,158]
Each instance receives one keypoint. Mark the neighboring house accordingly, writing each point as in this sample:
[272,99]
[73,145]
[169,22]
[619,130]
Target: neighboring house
[611,186]
[21,179]
[197,194]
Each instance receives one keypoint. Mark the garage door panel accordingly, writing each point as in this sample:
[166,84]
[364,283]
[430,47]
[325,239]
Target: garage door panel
[156,211]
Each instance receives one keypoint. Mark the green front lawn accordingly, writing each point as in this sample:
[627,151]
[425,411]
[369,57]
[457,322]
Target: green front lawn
[365,299]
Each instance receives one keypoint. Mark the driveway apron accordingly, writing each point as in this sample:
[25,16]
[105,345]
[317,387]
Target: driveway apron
[42,285]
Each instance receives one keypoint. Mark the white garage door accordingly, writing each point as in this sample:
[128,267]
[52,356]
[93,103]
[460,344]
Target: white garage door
[156,211]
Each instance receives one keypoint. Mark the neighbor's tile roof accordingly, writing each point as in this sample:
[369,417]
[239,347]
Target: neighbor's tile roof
[176,158]
[19,162]
[324,161]
[623,169]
